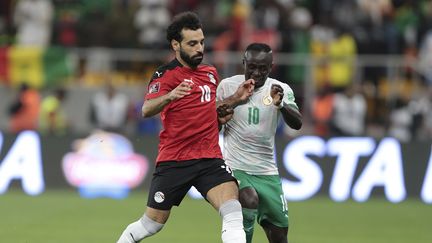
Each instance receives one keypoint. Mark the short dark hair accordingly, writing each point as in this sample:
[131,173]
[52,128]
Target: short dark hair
[260,47]
[185,20]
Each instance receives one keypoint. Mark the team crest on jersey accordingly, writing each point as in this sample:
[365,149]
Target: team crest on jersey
[267,100]
[154,88]
[212,78]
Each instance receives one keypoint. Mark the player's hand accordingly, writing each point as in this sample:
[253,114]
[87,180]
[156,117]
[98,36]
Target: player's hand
[225,113]
[245,90]
[277,94]
[180,91]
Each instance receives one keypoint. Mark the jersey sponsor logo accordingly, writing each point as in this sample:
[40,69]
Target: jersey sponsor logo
[159,197]
[211,78]
[154,88]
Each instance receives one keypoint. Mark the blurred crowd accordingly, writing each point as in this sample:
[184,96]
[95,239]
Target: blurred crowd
[346,101]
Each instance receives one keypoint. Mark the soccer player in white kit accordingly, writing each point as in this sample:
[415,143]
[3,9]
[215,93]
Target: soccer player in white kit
[249,142]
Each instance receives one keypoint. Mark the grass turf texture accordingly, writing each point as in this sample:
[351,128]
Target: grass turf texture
[62,216]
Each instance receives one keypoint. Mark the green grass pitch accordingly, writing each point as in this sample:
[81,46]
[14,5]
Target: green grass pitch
[64,217]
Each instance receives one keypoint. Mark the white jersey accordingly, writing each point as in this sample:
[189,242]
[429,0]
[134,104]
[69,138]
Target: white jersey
[249,136]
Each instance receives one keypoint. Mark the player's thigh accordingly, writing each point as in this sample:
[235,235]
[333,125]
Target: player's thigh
[222,193]
[248,196]
[170,183]
[216,182]
[272,207]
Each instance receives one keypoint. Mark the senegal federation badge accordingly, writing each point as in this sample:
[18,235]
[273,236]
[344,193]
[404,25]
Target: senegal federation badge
[267,100]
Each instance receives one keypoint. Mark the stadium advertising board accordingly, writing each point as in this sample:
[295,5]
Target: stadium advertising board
[105,164]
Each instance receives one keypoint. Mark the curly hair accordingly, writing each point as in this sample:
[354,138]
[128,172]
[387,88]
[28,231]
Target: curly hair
[185,20]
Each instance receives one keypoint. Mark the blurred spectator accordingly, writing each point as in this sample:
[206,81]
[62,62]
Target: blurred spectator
[349,113]
[426,16]
[427,119]
[24,111]
[322,110]
[151,20]
[52,118]
[407,21]
[380,33]
[5,7]
[296,40]
[33,21]
[177,6]
[120,22]
[376,9]
[321,36]
[93,29]
[421,108]
[425,57]
[267,14]
[109,110]
[5,20]
[66,28]
[237,30]
[263,23]
[342,51]
[401,120]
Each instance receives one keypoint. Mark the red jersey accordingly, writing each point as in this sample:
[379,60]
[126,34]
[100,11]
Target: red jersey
[190,124]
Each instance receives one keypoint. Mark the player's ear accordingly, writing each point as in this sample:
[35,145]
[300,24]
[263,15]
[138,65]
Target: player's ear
[175,45]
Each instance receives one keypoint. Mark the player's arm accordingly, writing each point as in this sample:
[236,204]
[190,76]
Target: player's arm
[290,112]
[225,113]
[152,107]
[243,92]
[225,107]
[291,116]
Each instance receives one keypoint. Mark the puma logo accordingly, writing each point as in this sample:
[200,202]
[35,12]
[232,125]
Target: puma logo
[188,80]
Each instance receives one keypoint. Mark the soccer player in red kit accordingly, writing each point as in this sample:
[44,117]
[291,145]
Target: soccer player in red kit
[184,93]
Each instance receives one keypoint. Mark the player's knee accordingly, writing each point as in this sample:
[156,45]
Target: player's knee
[248,198]
[150,225]
[275,234]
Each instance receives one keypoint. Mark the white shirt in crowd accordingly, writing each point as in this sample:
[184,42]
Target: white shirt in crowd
[110,112]
[349,114]
[33,21]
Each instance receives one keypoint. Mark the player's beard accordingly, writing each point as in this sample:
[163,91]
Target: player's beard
[192,61]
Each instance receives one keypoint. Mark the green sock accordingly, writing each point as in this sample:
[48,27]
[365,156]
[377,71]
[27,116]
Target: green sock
[248,222]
